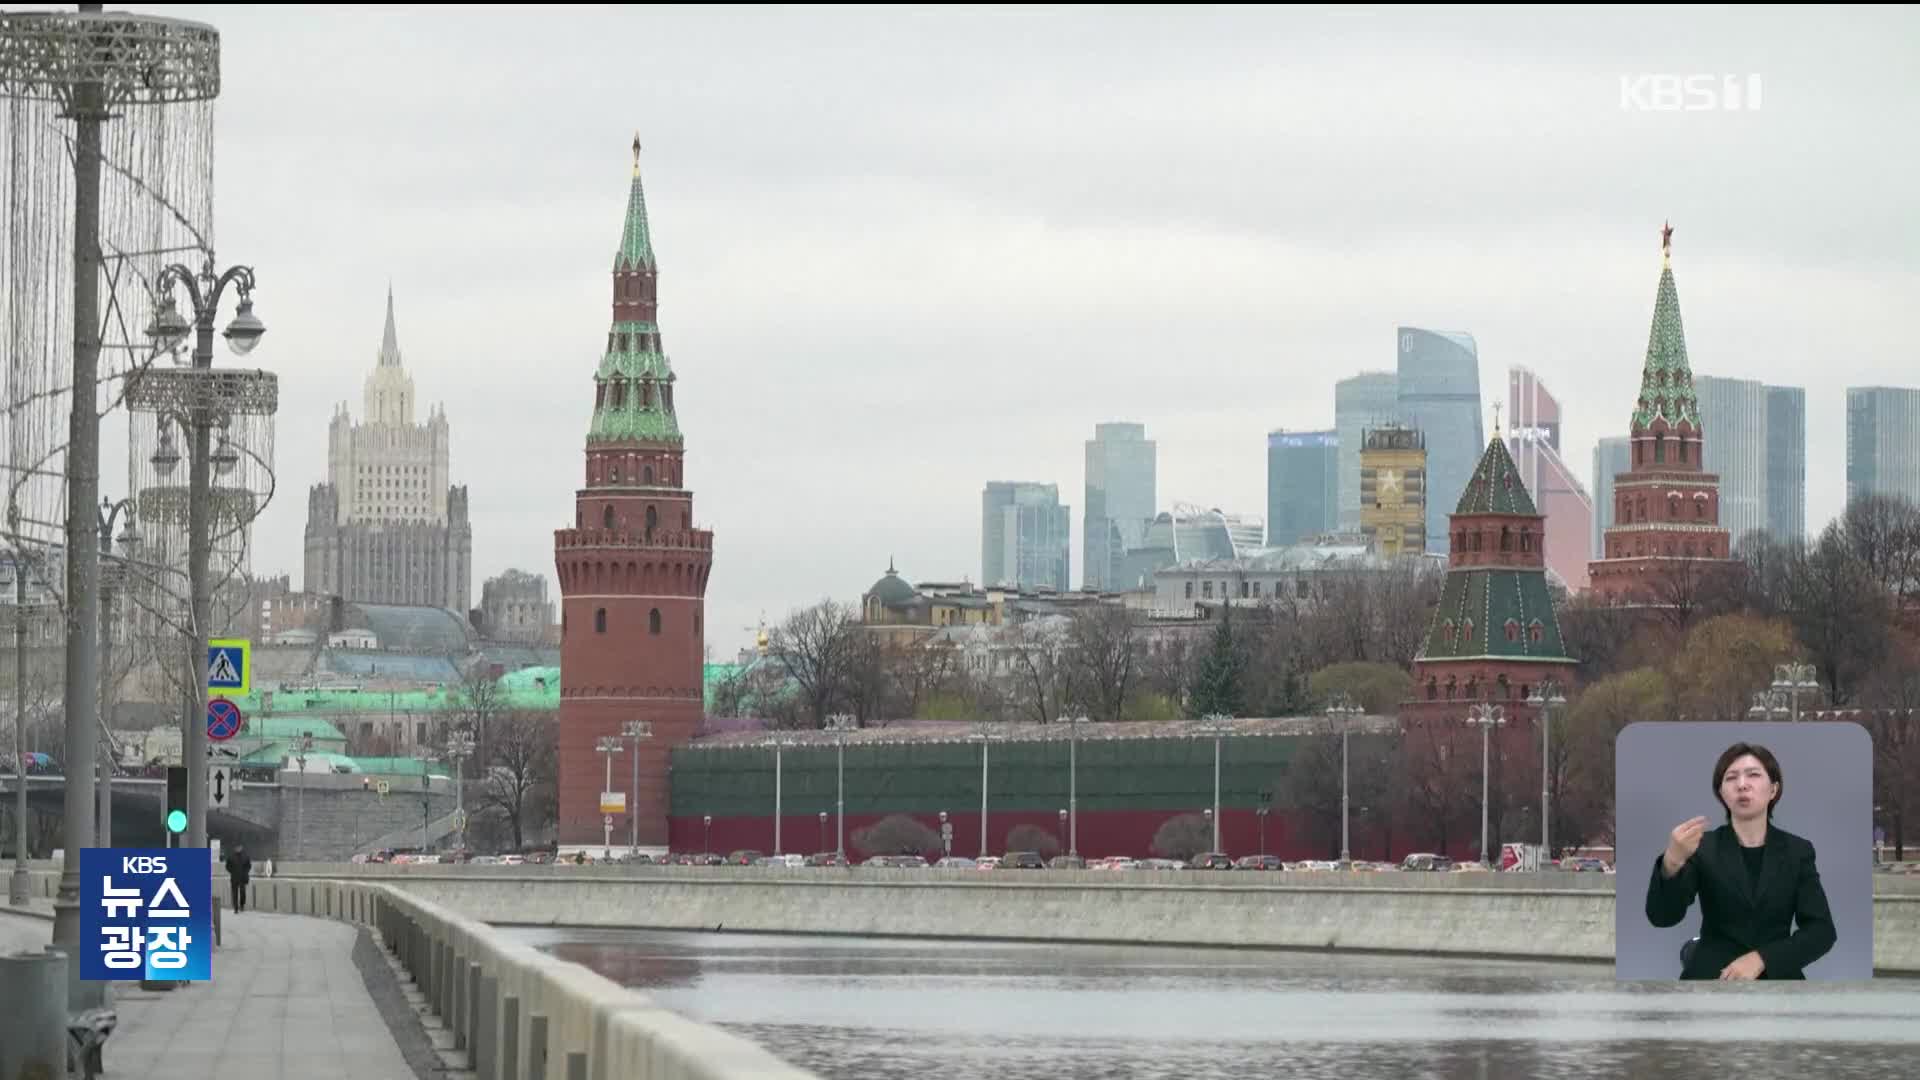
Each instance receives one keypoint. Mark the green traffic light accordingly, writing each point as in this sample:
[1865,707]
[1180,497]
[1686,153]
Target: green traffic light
[176,821]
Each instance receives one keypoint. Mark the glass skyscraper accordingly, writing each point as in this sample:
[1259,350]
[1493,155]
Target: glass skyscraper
[1787,463]
[1120,499]
[1302,485]
[1883,442]
[1612,456]
[1024,536]
[1370,399]
[1439,382]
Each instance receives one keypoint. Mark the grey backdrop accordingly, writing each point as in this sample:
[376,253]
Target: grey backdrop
[1663,775]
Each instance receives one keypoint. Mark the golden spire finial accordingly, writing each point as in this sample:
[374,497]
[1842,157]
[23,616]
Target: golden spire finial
[636,153]
[1496,419]
[1666,242]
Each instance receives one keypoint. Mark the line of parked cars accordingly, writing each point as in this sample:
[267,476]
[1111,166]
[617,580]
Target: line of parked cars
[1012,860]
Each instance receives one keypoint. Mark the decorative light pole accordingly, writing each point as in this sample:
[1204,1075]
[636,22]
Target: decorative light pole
[706,842]
[1217,725]
[459,747]
[198,401]
[986,736]
[639,731]
[300,796]
[840,724]
[823,831]
[1782,698]
[1343,712]
[1486,718]
[111,574]
[608,745]
[1545,699]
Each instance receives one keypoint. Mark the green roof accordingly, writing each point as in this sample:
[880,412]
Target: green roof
[1496,487]
[401,766]
[633,396]
[1666,381]
[1489,598]
[288,727]
[636,240]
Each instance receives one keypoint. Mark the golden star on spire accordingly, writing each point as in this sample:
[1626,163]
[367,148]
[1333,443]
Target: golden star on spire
[636,153]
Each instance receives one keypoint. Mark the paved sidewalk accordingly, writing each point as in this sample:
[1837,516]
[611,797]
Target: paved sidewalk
[286,1003]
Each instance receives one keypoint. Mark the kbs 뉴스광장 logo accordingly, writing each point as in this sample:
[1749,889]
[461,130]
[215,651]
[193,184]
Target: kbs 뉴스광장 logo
[146,913]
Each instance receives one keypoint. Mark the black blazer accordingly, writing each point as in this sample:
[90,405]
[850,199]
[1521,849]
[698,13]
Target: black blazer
[1736,917]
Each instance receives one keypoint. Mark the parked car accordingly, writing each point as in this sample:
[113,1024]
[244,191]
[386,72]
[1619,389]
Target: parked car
[745,857]
[1259,862]
[1022,860]
[1066,862]
[1211,860]
[826,858]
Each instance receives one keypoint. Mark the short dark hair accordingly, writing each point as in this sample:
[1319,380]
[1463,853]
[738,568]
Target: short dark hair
[1767,761]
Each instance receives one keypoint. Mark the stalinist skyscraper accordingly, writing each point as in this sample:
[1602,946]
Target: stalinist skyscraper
[387,527]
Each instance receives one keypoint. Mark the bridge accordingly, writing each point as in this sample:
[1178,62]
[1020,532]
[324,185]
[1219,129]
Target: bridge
[322,816]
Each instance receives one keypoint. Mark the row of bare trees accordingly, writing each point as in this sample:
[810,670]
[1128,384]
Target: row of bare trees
[1098,660]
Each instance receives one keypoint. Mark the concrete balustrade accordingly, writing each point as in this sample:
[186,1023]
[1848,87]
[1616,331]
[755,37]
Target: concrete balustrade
[1558,916]
[519,1013]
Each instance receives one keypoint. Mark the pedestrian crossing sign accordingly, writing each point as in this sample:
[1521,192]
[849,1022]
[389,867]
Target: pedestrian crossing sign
[229,667]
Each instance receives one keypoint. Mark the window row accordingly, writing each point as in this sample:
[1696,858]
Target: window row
[655,622]
[633,577]
[1468,540]
[1452,689]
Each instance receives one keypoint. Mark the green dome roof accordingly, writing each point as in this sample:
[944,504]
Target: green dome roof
[892,588]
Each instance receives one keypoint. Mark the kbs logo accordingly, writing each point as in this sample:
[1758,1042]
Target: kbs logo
[143,864]
[1690,93]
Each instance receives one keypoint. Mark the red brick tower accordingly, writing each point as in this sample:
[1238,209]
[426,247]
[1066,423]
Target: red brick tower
[633,569]
[1666,539]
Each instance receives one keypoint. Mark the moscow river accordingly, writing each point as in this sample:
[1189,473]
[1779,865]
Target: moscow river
[943,1010]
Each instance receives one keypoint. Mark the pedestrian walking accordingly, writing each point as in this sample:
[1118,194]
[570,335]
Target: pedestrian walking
[239,870]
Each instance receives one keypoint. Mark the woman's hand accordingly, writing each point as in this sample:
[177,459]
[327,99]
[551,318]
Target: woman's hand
[1682,843]
[1746,968]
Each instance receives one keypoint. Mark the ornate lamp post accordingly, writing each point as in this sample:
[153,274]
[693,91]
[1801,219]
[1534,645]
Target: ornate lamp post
[198,401]
[780,745]
[1782,698]
[1343,713]
[1545,699]
[608,745]
[986,736]
[459,748]
[1218,725]
[111,574]
[1486,718]
[639,731]
[840,724]
[1073,782]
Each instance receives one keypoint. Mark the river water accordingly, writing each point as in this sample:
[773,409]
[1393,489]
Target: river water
[940,1010]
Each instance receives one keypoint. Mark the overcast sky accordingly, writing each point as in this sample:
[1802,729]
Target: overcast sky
[904,252]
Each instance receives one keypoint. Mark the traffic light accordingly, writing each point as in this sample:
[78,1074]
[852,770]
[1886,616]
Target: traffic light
[176,811]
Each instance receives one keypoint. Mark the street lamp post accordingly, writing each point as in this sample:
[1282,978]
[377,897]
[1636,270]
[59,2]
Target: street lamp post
[706,840]
[110,512]
[780,746]
[985,736]
[1782,697]
[608,745]
[1063,819]
[1262,815]
[19,882]
[300,797]
[1545,698]
[1218,725]
[459,745]
[839,724]
[946,835]
[1073,783]
[168,329]
[823,831]
[638,731]
[1486,718]
[1343,712]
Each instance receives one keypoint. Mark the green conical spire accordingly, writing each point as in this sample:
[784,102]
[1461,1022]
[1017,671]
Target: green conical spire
[1496,487]
[1666,381]
[636,242]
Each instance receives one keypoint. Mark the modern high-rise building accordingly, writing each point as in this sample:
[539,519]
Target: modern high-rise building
[1533,439]
[1120,499]
[1439,383]
[1883,442]
[1735,410]
[1393,491]
[1666,533]
[1303,485]
[1787,463]
[1024,541]
[1370,399]
[1612,456]
[387,527]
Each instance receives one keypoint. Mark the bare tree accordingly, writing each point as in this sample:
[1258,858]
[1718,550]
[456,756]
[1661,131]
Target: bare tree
[1604,636]
[897,834]
[1182,837]
[1037,652]
[520,785]
[479,700]
[1439,770]
[1105,659]
[1883,533]
[1840,613]
[817,645]
[922,672]
[1033,838]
